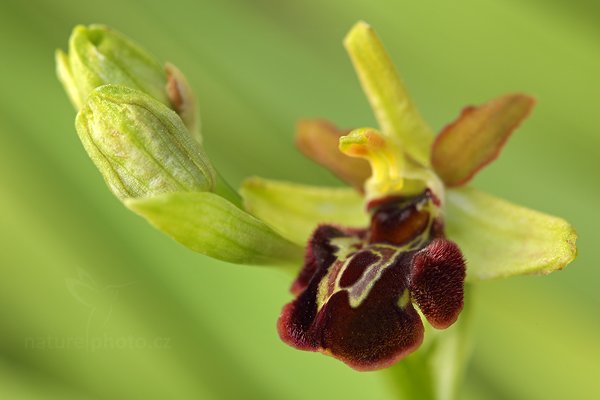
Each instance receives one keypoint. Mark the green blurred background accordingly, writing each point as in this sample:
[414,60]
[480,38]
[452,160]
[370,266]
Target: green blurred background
[94,304]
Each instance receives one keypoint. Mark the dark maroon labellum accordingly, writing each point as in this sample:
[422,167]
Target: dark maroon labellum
[356,291]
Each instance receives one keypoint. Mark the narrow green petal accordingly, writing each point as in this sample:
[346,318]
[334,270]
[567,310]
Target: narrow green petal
[476,138]
[394,110]
[296,210]
[500,239]
[209,224]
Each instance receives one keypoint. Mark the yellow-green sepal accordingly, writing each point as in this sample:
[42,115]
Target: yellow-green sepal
[209,224]
[397,115]
[295,210]
[500,239]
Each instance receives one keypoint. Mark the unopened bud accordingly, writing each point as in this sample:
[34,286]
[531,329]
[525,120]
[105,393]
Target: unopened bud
[98,56]
[141,146]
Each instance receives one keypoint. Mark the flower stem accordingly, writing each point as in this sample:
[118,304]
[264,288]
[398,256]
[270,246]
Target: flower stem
[223,189]
[436,370]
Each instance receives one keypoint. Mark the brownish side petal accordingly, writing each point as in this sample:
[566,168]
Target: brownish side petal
[297,317]
[318,140]
[437,282]
[320,253]
[476,138]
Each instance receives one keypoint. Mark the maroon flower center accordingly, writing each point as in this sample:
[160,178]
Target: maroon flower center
[356,291]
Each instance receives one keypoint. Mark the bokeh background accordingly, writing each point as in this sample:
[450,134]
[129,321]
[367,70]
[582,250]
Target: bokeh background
[95,304]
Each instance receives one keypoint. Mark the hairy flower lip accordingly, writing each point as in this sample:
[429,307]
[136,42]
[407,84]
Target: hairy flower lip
[361,365]
[355,293]
[437,282]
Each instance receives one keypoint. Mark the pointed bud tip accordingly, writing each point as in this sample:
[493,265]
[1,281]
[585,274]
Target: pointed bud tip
[99,55]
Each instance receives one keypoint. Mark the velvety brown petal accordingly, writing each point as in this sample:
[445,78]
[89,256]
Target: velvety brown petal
[476,138]
[297,317]
[437,282]
[318,140]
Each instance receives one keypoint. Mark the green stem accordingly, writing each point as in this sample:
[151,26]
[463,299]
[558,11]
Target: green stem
[223,189]
[412,378]
[436,370]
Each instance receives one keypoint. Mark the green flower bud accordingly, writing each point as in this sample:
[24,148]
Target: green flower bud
[152,163]
[99,56]
[142,147]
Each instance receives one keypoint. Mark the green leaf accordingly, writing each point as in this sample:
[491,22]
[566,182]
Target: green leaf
[500,239]
[211,225]
[391,103]
[476,138]
[295,210]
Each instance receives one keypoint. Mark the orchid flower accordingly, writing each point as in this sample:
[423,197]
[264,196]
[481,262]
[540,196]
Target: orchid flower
[355,292]
[398,244]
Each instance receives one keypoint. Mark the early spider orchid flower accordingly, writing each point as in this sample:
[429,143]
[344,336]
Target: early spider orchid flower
[401,242]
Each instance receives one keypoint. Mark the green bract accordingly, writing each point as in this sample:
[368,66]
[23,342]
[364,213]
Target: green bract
[206,223]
